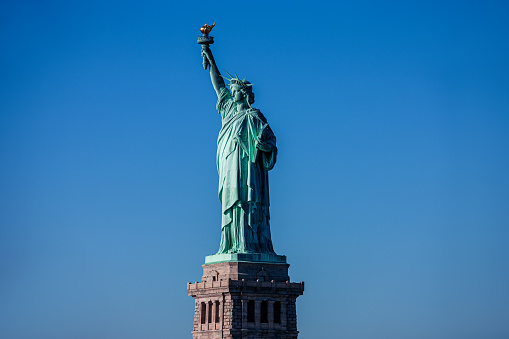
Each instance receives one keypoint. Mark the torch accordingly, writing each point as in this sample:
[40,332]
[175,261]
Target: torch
[205,40]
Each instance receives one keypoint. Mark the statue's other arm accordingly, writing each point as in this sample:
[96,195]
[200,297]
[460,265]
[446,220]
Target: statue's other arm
[266,143]
[215,76]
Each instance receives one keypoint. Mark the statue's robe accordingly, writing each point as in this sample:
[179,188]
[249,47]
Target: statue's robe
[243,179]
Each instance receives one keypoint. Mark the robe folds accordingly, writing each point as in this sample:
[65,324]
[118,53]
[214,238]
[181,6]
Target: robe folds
[246,151]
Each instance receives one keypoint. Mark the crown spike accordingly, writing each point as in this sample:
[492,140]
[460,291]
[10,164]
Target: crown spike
[229,74]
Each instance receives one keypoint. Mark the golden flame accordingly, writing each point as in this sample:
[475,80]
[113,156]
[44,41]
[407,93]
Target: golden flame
[205,29]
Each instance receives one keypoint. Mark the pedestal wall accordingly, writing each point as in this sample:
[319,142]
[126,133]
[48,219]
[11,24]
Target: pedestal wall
[252,307]
[249,271]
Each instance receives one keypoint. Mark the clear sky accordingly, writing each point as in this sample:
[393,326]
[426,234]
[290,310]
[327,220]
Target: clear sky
[390,197]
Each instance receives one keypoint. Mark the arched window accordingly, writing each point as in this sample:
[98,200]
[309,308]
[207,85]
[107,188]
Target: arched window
[203,312]
[264,312]
[277,312]
[251,311]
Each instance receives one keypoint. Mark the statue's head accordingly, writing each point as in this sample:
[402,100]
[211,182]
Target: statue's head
[241,89]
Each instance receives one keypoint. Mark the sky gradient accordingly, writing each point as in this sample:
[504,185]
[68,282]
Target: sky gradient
[390,197]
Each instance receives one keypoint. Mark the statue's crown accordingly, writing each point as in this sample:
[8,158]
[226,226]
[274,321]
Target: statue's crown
[236,81]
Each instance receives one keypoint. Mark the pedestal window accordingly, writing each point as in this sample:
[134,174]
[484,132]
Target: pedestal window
[217,319]
[277,312]
[264,312]
[210,312]
[203,313]
[251,311]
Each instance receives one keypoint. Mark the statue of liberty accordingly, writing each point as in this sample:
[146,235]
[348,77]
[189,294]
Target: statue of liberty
[246,151]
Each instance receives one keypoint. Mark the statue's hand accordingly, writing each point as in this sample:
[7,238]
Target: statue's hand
[205,52]
[262,146]
[207,56]
[206,61]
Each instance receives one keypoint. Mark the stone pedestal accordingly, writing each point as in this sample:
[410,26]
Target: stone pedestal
[248,300]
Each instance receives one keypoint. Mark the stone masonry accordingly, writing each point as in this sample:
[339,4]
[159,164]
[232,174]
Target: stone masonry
[248,300]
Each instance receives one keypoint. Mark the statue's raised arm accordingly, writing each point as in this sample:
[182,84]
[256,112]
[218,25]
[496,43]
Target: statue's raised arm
[215,75]
[208,58]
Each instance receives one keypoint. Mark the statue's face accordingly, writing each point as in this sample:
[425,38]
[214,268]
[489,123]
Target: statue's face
[237,94]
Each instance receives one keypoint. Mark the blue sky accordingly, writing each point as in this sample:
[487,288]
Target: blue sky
[390,196]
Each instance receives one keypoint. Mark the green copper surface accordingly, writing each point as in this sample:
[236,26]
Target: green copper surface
[250,257]
[246,151]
